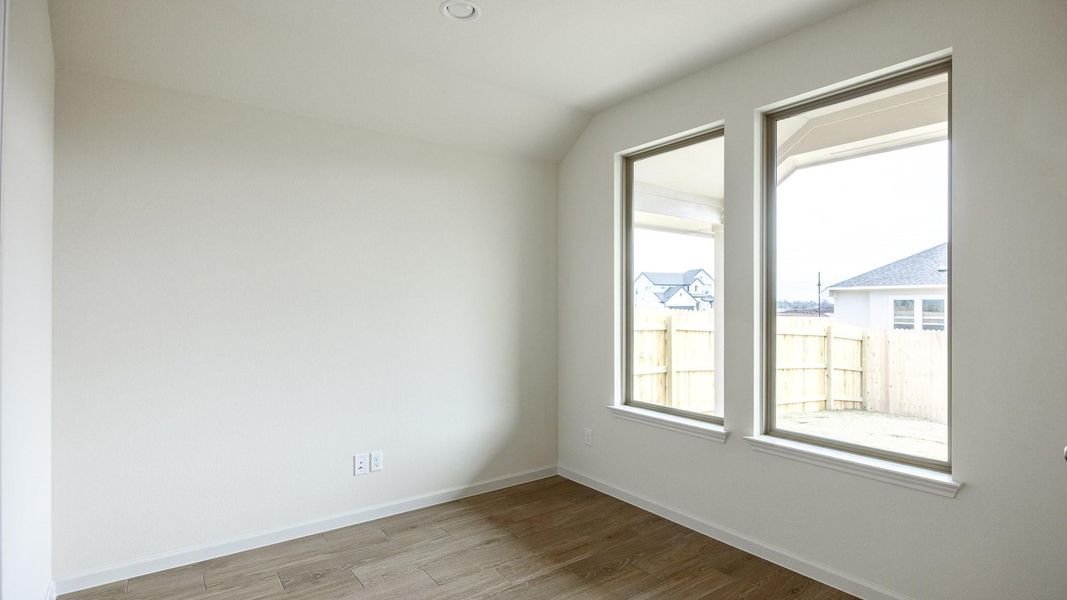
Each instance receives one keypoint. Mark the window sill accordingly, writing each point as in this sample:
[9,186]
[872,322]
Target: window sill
[916,478]
[694,427]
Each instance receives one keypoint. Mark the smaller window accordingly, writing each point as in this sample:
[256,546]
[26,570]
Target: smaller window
[903,314]
[673,232]
[934,314]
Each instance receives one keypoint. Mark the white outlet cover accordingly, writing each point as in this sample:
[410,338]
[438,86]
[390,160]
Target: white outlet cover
[377,460]
[361,464]
[588,436]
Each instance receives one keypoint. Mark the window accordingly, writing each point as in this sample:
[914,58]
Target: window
[857,269]
[903,314]
[933,316]
[673,233]
[929,316]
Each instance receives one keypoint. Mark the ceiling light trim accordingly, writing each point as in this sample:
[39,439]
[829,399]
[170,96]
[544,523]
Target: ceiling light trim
[461,10]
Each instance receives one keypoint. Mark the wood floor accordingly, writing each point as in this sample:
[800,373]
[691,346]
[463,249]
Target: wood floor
[551,539]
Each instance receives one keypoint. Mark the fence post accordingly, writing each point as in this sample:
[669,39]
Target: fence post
[670,359]
[865,342]
[830,365]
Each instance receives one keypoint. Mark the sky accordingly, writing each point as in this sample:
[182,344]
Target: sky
[842,218]
[659,251]
[851,216]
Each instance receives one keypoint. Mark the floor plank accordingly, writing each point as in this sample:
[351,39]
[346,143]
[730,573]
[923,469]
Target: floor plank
[550,538]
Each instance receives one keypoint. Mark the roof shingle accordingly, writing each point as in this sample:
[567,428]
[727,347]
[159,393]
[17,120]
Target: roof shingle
[929,267]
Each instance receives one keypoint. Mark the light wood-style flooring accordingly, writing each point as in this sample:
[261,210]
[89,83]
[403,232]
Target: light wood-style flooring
[548,539]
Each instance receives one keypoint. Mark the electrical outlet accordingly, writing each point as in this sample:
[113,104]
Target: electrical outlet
[361,464]
[377,460]
[588,436]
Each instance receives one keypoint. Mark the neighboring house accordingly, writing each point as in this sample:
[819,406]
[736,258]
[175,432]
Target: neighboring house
[692,290]
[910,293]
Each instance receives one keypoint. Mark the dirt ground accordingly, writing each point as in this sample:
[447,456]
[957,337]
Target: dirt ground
[906,435]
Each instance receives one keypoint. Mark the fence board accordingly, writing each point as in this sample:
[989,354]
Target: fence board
[907,373]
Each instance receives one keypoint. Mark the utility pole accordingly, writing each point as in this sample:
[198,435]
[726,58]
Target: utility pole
[818,296]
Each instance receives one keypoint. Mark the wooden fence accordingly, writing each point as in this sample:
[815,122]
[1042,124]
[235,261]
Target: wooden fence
[908,374]
[822,365]
[674,358]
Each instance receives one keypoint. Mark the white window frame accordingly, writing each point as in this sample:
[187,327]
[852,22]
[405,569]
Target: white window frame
[917,317]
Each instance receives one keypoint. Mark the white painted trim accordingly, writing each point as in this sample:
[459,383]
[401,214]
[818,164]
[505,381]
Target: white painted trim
[918,314]
[186,556]
[820,572]
[916,478]
[50,593]
[694,427]
[867,288]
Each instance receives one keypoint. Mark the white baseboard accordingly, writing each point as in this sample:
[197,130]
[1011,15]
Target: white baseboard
[816,571]
[50,594]
[187,556]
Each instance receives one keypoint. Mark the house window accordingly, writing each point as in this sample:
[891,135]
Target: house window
[927,314]
[933,314]
[903,314]
[856,270]
[673,234]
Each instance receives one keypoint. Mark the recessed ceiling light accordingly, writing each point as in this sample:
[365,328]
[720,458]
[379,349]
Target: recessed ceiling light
[460,10]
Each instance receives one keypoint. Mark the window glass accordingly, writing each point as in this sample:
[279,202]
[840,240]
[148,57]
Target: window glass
[903,314]
[858,209]
[934,314]
[676,242]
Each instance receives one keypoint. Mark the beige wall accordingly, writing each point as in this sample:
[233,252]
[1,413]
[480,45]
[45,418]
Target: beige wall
[246,299]
[1002,537]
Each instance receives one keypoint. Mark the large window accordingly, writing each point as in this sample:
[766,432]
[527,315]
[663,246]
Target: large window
[673,232]
[857,269]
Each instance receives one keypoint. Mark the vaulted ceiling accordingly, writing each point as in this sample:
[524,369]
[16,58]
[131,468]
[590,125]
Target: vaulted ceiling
[522,80]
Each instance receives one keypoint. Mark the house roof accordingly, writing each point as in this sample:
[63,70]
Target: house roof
[666,294]
[674,279]
[929,267]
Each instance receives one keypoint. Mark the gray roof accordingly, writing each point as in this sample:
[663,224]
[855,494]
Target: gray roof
[682,279]
[666,294]
[929,267]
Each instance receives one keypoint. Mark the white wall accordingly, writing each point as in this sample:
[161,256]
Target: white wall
[26,305]
[874,308]
[1003,536]
[854,308]
[235,318]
